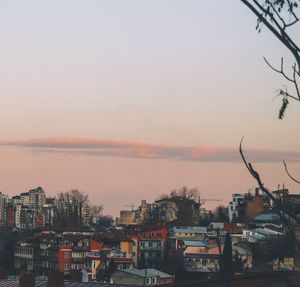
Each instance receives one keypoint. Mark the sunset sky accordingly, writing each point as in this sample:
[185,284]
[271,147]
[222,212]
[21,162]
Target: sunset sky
[126,100]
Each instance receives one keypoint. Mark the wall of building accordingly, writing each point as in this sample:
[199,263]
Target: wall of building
[126,247]
[64,260]
[127,217]
[254,207]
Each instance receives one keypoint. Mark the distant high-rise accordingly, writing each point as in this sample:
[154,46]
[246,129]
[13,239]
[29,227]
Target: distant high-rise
[3,199]
[36,198]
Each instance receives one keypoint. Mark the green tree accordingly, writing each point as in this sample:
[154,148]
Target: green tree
[104,222]
[226,259]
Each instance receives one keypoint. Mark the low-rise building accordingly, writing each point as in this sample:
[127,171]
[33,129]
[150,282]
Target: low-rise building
[178,234]
[152,247]
[25,255]
[203,259]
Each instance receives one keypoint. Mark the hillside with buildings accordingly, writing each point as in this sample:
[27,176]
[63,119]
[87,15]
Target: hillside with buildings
[172,239]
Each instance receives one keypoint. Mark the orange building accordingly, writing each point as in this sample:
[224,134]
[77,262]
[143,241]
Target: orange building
[64,259]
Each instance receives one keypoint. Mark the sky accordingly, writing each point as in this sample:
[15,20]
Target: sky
[126,100]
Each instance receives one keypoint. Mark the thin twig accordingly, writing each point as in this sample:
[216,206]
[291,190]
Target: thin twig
[295,81]
[278,15]
[278,71]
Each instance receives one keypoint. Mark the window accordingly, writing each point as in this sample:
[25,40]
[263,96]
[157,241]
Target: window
[67,255]
[150,244]
[153,280]
[66,267]
[204,262]
[148,281]
[211,262]
[133,253]
[133,243]
[158,234]
[152,234]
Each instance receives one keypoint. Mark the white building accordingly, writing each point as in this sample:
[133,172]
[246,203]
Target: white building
[36,198]
[235,205]
[18,215]
[25,198]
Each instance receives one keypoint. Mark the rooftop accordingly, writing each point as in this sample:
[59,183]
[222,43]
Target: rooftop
[195,243]
[193,229]
[148,272]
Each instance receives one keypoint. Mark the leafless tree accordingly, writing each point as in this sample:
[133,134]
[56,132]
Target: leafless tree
[279,16]
[70,205]
[185,192]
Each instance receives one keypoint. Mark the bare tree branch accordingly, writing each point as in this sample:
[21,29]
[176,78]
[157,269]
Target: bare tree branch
[279,71]
[288,173]
[279,203]
[295,81]
[273,14]
[256,176]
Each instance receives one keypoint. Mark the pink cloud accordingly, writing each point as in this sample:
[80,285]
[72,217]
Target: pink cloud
[113,148]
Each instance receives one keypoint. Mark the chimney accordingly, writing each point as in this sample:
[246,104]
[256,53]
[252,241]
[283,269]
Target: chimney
[3,273]
[55,279]
[75,276]
[27,280]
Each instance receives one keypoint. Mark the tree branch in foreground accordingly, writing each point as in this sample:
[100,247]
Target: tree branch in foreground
[288,173]
[278,16]
[256,176]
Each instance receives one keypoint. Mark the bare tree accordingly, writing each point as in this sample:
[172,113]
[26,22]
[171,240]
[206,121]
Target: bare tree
[185,192]
[70,205]
[279,16]
[96,213]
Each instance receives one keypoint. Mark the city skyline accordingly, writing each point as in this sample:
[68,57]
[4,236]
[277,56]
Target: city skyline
[129,101]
